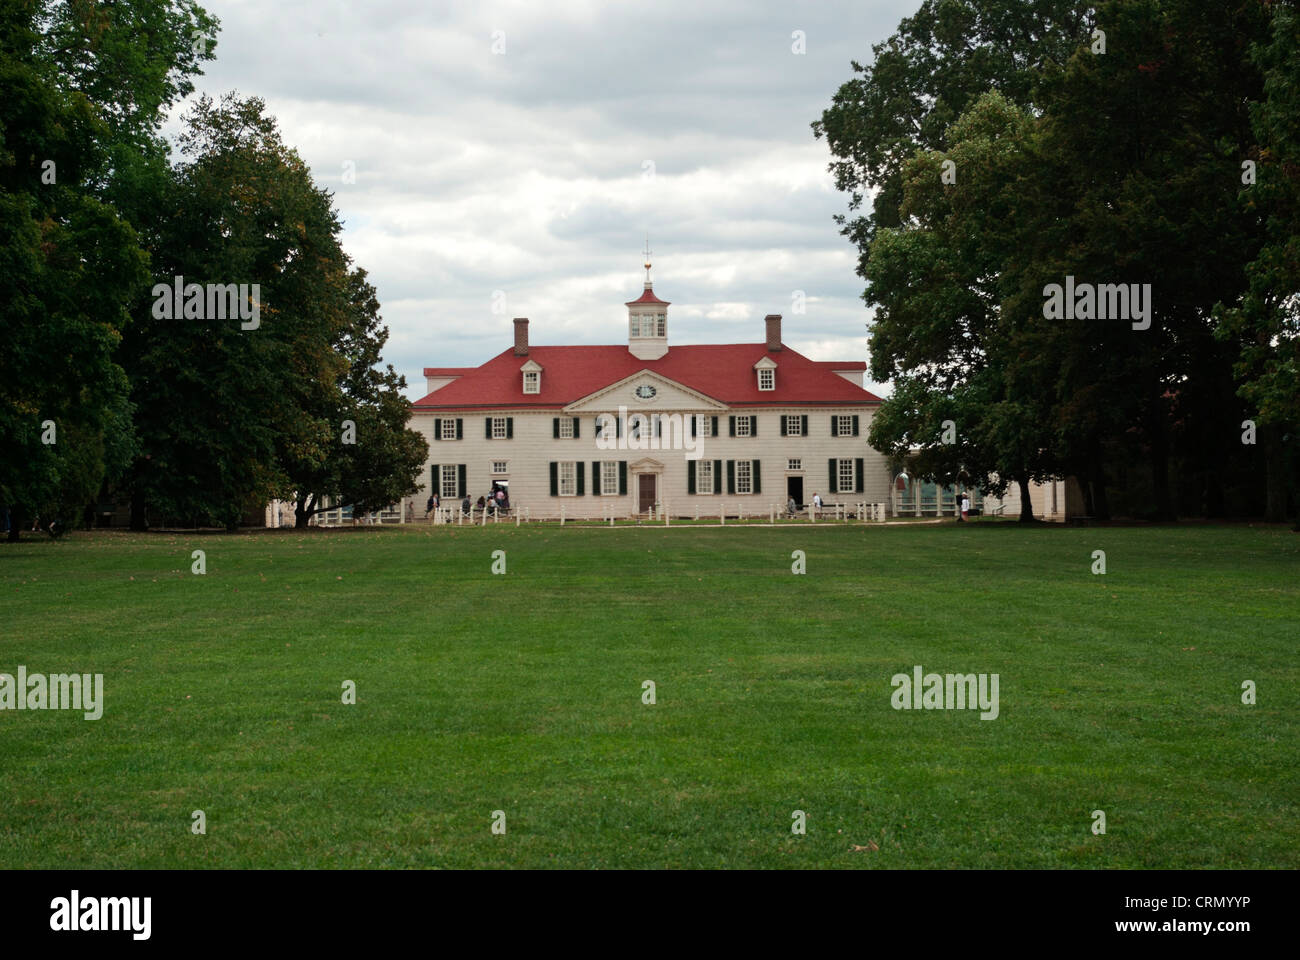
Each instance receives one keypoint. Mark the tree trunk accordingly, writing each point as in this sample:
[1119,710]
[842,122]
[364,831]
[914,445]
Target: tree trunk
[1101,502]
[16,521]
[139,512]
[1162,502]
[302,512]
[1026,502]
[1274,476]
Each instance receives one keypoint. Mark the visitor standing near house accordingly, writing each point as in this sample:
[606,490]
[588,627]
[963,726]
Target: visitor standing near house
[791,507]
[817,500]
[965,506]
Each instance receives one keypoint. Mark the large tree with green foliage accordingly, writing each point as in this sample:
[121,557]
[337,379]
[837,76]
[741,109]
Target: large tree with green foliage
[372,459]
[223,405]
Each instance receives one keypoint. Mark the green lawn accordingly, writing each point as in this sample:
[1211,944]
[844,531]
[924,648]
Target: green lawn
[523,693]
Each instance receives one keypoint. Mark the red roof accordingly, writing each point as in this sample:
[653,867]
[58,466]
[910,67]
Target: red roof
[647,297]
[724,372]
[448,371]
[843,364]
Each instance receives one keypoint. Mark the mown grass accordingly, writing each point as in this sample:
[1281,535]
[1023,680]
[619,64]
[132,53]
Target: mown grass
[523,693]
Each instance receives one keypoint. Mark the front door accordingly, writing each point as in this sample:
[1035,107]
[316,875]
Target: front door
[645,491]
[794,490]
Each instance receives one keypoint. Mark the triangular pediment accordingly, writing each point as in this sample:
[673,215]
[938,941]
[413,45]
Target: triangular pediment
[668,395]
[645,465]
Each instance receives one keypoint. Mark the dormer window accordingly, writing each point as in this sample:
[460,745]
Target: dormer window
[766,371]
[532,374]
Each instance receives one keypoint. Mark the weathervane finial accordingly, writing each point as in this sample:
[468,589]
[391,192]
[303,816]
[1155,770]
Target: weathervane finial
[647,261]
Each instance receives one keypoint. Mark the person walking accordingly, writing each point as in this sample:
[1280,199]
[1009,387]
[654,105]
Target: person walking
[965,506]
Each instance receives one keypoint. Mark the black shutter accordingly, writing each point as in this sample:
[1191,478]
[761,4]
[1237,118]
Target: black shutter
[488,434]
[595,478]
[855,424]
[717,476]
[715,426]
[690,476]
[510,428]
[659,425]
[857,475]
[731,476]
[782,418]
[581,468]
[753,426]
[555,428]
[618,426]
[803,422]
[461,481]
[437,429]
[694,423]
[758,481]
[576,421]
[731,425]
[835,426]
[622,478]
[831,469]
[555,479]
[437,479]
[460,428]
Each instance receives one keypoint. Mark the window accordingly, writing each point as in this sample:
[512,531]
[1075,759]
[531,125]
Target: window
[447,431]
[643,326]
[794,425]
[744,476]
[844,426]
[703,426]
[661,325]
[634,425]
[447,485]
[844,476]
[794,465]
[704,476]
[498,428]
[609,477]
[500,466]
[568,478]
[566,428]
[743,425]
[532,381]
[767,379]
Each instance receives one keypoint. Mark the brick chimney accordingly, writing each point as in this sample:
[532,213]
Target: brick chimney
[773,321]
[521,336]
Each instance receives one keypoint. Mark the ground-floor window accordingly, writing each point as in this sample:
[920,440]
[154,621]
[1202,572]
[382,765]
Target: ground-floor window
[744,476]
[703,476]
[794,464]
[844,475]
[447,484]
[568,478]
[609,477]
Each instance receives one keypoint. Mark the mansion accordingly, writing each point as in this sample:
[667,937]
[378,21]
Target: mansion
[646,427]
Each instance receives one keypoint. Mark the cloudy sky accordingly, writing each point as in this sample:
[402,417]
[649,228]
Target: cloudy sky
[510,159]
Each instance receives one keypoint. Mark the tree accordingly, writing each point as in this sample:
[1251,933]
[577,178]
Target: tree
[375,460]
[68,266]
[1267,319]
[223,402]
